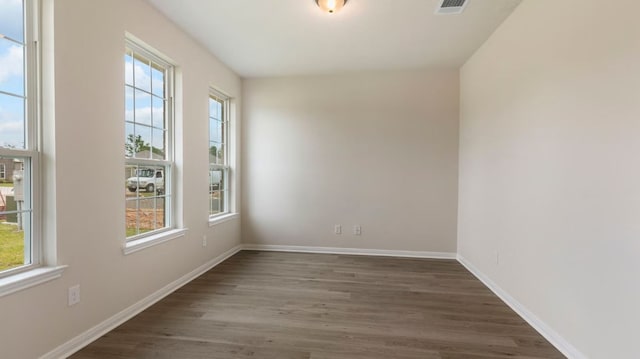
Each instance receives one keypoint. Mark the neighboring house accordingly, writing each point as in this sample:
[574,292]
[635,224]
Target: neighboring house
[148,154]
[131,171]
[7,167]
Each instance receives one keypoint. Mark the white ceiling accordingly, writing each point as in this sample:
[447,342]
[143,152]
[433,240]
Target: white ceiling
[293,37]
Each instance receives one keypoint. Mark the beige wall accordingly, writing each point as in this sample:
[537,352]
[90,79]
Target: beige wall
[549,168]
[84,187]
[374,149]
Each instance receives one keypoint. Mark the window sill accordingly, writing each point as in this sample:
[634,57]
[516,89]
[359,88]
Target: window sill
[223,218]
[146,242]
[29,278]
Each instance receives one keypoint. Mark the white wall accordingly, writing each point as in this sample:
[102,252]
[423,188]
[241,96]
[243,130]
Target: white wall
[374,149]
[549,168]
[84,181]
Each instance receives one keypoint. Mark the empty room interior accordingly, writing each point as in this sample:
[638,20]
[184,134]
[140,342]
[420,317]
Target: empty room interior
[319,179]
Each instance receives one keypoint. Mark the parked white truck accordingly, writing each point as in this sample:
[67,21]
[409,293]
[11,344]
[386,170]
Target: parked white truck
[148,179]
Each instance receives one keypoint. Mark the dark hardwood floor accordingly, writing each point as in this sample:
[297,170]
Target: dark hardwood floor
[320,306]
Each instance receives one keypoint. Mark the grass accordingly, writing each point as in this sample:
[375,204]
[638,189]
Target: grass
[140,193]
[11,247]
[6,184]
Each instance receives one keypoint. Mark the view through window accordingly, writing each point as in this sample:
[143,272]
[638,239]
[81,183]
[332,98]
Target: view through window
[148,145]
[218,154]
[17,137]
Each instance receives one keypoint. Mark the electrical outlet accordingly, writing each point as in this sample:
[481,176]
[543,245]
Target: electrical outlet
[204,240]
[357,230]
[74,295]
[337,229]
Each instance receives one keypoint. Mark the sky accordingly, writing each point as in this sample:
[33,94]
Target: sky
[144,111]
[11,74]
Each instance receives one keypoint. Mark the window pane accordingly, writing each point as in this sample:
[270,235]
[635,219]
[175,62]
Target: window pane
[142,142]
[143,107]
[159,213]
[157,80]
[128,68]
[142,73]
[215,151]
[11,67]
[220,154]
[215,180]
[12,251]
[12,131]
[158,147]
[215,203]
[215,131]
[11,19]
[158,112]
[130,180]
[215,109]
[146,215]
[15,214]
[129,140]
[128,104]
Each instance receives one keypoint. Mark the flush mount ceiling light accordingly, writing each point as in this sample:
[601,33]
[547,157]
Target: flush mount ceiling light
[331,6]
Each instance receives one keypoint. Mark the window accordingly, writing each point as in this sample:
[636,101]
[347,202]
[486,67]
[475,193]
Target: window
[19,243]
[148,142]
[218,154]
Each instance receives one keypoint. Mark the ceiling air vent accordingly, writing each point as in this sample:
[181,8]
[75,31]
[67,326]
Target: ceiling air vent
[448,7]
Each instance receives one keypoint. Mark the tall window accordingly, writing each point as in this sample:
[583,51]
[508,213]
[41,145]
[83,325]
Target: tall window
[148,142]
[218,154]
[3,171]
[19,245]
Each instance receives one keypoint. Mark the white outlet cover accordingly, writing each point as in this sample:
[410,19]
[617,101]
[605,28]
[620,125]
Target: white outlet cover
[74,295]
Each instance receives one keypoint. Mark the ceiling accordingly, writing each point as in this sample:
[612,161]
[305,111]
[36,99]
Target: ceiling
[258,38]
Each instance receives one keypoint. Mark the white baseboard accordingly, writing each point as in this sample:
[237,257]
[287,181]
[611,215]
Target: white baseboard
[352,251]
[541,327]
[67,349]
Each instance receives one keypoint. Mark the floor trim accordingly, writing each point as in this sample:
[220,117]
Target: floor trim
[541,327]
[67,349]
[82,340]
[352,251]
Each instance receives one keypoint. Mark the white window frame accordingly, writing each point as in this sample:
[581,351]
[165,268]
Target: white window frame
[36,272]
[29,153]
[225,167]
[169,231]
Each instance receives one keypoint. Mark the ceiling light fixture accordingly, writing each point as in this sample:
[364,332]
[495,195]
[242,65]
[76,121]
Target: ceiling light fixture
[331,6]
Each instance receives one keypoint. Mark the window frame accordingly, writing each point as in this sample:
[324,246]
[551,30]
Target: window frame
[32,147]
[3,171]
[227,144]
[140,240]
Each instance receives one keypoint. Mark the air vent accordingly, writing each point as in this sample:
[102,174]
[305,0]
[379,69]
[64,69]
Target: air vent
[449,7]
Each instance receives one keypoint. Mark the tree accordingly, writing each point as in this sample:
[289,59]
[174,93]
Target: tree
[216,153]
[134,145]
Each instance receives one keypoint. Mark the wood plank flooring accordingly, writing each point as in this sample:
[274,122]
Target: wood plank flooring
[319,306]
